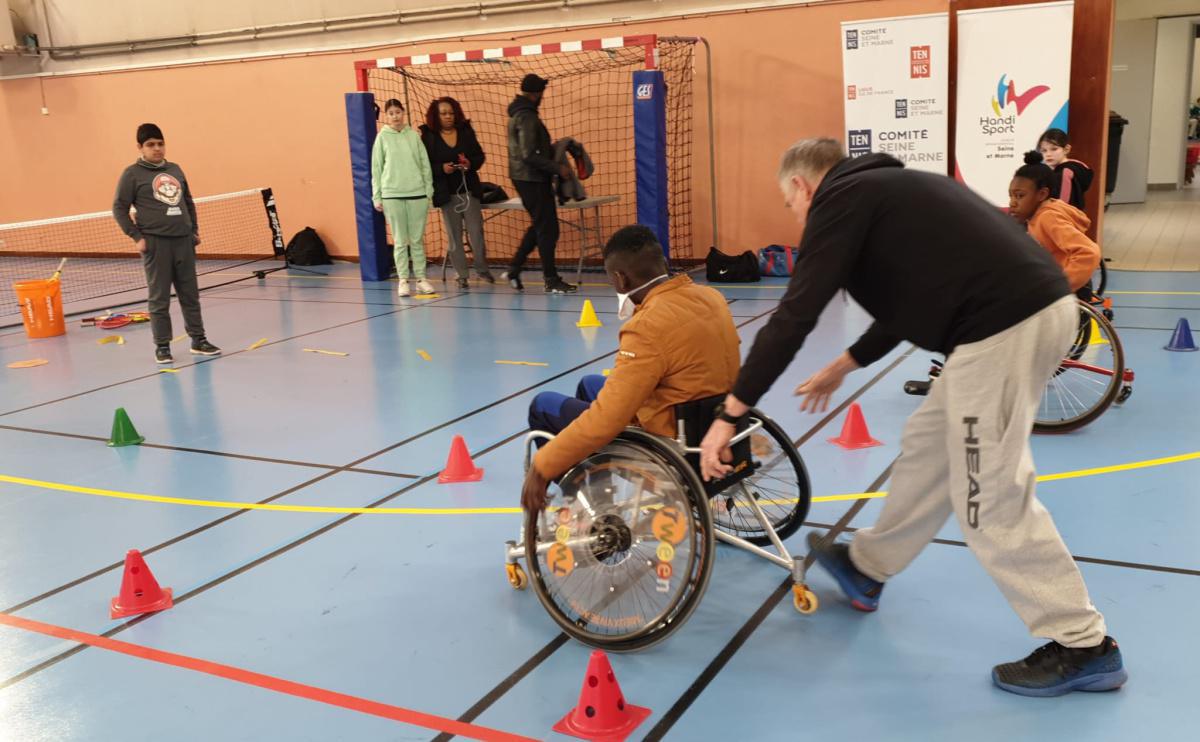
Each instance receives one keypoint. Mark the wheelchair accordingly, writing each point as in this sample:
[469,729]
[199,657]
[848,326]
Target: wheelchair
[1091,378]
[623,553]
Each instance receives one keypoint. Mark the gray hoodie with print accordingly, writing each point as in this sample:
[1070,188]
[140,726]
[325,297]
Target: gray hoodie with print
[162,198]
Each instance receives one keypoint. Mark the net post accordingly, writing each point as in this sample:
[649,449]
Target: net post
[268,198]
[372,237]
[361,76]
[650,154]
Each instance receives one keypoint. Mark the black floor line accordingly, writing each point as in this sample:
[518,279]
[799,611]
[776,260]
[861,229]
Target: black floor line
[1082,559]
[718,663]
[1118,307]
[214,359]
[496,693]
[207,452]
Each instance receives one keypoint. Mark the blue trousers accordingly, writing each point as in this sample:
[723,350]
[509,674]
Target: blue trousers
[552,412]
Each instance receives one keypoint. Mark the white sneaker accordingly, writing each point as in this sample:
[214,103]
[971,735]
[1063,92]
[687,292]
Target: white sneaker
[424,287]
[404,290]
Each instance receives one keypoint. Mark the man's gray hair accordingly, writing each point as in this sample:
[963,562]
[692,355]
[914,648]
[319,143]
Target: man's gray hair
[810,158]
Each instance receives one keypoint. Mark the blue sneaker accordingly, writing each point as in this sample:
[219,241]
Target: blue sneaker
[1055,670]
[862,591]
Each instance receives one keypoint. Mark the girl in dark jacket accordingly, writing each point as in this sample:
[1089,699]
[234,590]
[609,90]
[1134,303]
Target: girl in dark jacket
[1072,178]
[456,157]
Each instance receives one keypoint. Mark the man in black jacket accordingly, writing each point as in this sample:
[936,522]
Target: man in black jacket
[937,266]
[532,169]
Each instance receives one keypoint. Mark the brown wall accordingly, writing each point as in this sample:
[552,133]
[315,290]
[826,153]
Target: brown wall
[280,122]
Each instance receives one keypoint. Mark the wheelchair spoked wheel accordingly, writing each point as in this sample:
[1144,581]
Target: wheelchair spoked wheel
[1089,379]
[623,553]
[780,485]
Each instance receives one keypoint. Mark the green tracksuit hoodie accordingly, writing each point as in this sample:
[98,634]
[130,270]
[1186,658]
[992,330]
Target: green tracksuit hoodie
[400,166]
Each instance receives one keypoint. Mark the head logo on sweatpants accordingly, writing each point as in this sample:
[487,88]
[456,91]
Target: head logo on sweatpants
[973,489]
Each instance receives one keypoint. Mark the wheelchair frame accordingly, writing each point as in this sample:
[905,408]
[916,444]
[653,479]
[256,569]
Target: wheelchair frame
[804,599]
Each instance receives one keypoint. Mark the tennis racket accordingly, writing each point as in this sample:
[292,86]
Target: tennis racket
[58,271]
[113,321]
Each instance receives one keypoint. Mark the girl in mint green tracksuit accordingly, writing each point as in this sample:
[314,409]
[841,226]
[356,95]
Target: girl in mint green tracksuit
[402,186]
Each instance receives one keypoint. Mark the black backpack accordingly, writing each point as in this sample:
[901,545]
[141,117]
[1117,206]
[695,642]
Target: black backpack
[307,248]
[722,268]
[492,193]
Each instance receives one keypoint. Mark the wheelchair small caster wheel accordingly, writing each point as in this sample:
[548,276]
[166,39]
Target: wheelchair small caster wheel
[260,275]
[804,600]
[516,576]
[1125,393]
[1108,314]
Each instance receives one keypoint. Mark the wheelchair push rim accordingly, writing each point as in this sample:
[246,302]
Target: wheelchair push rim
[1088,380]
[623,553]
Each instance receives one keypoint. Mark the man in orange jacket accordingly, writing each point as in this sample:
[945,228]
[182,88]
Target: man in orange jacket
[678,344]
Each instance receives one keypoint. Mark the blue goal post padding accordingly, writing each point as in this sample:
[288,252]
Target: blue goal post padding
[374,259]
[650,153]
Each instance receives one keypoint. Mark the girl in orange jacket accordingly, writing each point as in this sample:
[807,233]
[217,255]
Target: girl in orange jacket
[1056,225]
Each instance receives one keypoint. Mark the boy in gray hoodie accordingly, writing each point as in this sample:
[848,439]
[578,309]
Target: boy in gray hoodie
[166,234]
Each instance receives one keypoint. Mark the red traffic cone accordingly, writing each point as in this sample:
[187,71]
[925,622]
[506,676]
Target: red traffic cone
[854,431]
[459,467]
[140,592]
[602,714]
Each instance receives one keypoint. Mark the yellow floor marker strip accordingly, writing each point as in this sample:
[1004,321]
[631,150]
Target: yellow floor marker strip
[184,337]
[424,355]
[258,344]
[118,339]
[1154,293]
[39,484]
[168,370]
[325,352]
[522,363]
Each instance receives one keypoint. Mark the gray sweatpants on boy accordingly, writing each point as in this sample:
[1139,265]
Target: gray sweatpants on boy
[172,261]
[453,219]
[966,451]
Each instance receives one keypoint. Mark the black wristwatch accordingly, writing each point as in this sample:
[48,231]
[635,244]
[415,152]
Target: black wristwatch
[724,416]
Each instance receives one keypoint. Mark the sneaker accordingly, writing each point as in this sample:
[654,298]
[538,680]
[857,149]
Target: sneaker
[162,354]
[558,286]
[202,347]
[514,280]
[403,290]
[424,287]
[1055,670]
[464,284]
[862,591]
[487,278]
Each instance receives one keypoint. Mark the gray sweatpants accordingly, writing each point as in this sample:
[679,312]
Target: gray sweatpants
[453,219]
[172,261]
[966,451]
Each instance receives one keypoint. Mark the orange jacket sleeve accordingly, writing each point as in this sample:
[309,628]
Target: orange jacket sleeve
[640,365]
[1075,252]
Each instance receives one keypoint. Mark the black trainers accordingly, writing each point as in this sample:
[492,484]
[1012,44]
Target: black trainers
[514,279]
[487,277]
[162,354]
[464,284]
[202,347]
[1055,670]
[558,286]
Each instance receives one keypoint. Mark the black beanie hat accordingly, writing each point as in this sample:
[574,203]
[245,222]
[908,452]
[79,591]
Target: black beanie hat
[148,131]
[533,84]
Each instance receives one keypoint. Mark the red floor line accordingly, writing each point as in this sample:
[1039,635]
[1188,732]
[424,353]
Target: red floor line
[279,685]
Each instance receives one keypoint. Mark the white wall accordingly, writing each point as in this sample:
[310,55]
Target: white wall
[1132,97]
[1132,9]
[1168,126]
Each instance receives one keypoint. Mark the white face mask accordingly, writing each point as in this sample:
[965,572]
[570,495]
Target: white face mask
[625,306]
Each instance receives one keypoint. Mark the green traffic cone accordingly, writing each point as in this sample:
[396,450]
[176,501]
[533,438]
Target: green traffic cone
[123,432]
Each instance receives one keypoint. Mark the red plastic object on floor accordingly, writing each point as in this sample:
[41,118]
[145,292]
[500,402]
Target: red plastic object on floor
[854,431]
[140,592]
[602,714]
[459,466]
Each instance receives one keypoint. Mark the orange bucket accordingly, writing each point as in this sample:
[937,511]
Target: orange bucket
[41,307]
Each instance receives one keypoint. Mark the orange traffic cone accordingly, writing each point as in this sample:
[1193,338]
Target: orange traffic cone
[602,714]
[854,431]
[459,467]
[140,592]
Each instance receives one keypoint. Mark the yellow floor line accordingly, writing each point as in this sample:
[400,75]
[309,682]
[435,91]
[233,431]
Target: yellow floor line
[1153,293]
[39,484]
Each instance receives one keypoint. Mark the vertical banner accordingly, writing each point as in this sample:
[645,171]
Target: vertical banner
[1014,81]
[896,72]
[374,257]
[650,153]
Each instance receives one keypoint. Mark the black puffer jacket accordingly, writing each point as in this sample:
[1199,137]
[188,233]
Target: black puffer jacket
[529,151]
[445,185]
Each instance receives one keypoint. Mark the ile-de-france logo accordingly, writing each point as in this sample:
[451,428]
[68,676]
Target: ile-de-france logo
[851,38]
[1006,94]
[860,142]
[645,91]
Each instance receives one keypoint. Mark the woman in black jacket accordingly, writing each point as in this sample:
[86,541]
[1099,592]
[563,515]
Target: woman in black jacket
[456,157]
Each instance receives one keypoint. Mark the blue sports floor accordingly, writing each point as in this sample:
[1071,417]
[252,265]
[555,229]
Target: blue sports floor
[332,625]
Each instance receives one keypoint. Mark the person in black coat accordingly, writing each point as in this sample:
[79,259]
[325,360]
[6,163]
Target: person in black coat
[456,157]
